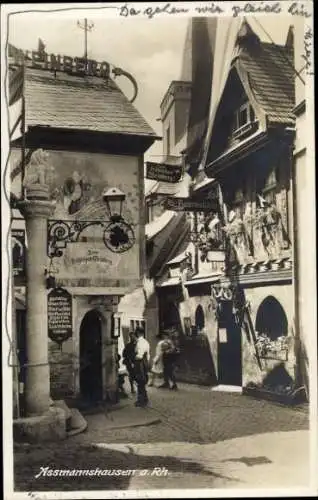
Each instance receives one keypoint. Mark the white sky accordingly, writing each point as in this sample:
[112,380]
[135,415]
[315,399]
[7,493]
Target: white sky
[151,50]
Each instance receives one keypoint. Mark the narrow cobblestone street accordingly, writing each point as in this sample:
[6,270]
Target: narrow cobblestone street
[202,438]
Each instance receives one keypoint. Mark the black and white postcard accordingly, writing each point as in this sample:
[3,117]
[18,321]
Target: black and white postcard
[158,250]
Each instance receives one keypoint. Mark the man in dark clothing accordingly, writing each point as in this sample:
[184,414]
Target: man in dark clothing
[129,354]
[142,360]
[169,357]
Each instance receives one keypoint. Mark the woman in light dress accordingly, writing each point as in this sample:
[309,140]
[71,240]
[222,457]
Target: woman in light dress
[157,364]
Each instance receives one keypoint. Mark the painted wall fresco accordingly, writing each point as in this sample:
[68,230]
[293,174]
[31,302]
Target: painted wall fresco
[80,180]
[77,183]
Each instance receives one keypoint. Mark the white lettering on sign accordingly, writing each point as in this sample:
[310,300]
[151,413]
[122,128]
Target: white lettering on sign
[67,64]
[59,313]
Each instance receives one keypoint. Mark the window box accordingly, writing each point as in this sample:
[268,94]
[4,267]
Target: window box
[276,355]
[272,349]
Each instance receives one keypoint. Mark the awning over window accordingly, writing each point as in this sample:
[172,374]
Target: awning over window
[203,278]
[156,226]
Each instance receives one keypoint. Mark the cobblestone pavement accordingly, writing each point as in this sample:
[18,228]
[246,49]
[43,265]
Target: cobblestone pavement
[205,439]
[197,414]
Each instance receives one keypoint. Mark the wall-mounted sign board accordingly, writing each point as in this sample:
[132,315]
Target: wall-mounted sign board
[163,172]
[59,310]
[188,205]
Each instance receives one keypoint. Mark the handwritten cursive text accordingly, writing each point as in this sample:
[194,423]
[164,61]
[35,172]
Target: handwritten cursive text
[151,12]
[307,56]
[209,9]
[298,9]
[256,8]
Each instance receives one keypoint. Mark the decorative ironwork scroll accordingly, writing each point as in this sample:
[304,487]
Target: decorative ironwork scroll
[117,236]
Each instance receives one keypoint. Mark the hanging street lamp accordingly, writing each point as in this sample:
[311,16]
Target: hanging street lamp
[118,235]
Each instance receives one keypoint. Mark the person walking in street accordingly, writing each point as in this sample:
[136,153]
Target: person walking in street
[121,380]
[129,354]
[157,364]
[169,358]
[142,359]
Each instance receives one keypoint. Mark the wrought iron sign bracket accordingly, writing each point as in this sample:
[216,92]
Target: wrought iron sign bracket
[118,236]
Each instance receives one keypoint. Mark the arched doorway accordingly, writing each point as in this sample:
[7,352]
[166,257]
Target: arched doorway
[91,384]
[271,318]
[199,319]
[229,346]
[170,317]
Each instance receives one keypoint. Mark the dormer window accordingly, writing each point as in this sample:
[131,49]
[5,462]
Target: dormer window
[244,118]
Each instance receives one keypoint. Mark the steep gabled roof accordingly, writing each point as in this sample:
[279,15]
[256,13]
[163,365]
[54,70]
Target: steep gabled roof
[81,103]
[267,73]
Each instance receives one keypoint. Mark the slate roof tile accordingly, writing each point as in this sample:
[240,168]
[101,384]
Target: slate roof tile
[83,103]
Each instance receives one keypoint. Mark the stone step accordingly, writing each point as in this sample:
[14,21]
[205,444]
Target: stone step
[60,403]
[77,423]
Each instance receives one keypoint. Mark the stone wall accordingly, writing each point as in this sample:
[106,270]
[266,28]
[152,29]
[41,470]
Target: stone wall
[65,362]
[61,369]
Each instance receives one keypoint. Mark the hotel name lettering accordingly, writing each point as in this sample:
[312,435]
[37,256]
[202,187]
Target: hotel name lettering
[67,64]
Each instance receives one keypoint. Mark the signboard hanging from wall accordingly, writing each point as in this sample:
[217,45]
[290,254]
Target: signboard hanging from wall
[18,254]
[59,310]
[188,205]
[163,172]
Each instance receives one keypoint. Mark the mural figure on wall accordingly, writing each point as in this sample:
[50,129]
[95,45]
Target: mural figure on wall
[208,234]
[75,192]
[238,237]
[274,236]
[270,237]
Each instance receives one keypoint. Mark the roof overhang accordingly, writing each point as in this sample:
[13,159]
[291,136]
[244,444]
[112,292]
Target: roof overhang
[86,140]
[257,141]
